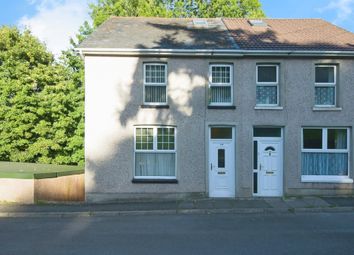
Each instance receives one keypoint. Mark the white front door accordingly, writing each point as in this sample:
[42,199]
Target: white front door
[222,165]
[270,169]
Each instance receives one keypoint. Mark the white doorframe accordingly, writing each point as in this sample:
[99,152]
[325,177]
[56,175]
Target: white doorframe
[221,164]
[269,181]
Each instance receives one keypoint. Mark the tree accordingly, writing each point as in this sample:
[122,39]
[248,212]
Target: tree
[103,9]
[41,103]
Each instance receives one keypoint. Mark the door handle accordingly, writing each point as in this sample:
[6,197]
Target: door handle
[211,166]
[260,167]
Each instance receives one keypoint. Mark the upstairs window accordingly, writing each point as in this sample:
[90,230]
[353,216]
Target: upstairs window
[325,85]
[155,82]
[220,84]
[267,90]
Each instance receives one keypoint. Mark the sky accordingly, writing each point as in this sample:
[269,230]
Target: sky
[55,21]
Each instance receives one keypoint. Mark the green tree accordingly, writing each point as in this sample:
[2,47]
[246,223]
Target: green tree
[103,9]
[41,103]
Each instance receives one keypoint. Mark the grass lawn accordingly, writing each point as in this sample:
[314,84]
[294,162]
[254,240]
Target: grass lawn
[36,171]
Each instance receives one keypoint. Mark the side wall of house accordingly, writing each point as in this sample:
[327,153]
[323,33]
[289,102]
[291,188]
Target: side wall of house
[114,95]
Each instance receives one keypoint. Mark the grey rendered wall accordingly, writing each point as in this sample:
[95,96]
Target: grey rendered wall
[114,96]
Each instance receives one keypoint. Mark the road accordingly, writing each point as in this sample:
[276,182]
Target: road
[307,233]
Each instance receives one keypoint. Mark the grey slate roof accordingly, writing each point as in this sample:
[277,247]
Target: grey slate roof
[159,33]
[219,34]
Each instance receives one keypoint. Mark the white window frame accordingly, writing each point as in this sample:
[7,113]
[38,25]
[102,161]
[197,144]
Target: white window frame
[270,84]
[155,150]
[155,84]
[211,84]
[328,85]
[324,149]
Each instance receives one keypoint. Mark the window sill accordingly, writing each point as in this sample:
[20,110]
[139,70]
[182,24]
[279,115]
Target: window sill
[154,106]
[137,180]
[326,179]
[321,109]
[278,108]
[222,107]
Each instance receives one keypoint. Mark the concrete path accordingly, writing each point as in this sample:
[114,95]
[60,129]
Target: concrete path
[199,206]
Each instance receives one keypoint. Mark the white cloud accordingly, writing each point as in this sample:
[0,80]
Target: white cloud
[343,8]
[56,21]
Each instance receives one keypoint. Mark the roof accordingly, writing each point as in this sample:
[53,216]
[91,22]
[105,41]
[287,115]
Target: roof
[230,34]
[290,34]
[159,33]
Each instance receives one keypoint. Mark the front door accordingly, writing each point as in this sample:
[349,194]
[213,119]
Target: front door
[221,162]
[270,169]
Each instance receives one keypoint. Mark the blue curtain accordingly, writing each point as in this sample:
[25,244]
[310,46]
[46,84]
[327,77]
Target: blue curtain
[155,164]
[318,163]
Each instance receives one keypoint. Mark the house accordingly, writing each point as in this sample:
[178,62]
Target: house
[218,108]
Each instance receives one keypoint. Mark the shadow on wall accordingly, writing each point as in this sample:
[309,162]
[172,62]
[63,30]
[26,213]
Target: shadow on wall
[110,155]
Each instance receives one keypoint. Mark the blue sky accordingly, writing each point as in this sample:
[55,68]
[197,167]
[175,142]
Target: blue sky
[55,21]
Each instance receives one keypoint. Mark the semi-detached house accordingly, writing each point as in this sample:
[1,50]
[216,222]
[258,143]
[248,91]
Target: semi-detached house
[218,108]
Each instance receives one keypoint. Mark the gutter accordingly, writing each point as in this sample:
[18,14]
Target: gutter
[211,52]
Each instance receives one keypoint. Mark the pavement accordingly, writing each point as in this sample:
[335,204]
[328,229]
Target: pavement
[188,206]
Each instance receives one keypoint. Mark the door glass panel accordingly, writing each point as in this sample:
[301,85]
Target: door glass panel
[221,158]
[267,132]
[255,183]
[221,133]
[255,154]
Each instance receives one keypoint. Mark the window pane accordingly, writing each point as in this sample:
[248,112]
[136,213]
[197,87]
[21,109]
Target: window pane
[255,182]
[220,74]
[221,158]
[312,138]
[324,74]
[155,74]
[324,95]
[155,94]
[337,139]
[267,95]
[155,164]
[144,139]
[267,132]
[220,94]
[221,133]
[324,163]
[267,73]
[255,155]
[165,139]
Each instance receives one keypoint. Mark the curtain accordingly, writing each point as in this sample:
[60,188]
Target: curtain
[155,94]
[318,163]
[220,94]
[266,94]
[154,164]
[324,96]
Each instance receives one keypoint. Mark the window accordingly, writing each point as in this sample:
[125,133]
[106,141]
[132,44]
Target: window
[220,84]
[221,133]
[325,85]
[155,152]
[155,81]
[325,154]
[267,90]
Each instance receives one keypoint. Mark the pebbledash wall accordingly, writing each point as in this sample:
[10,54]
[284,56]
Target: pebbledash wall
[114,95]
